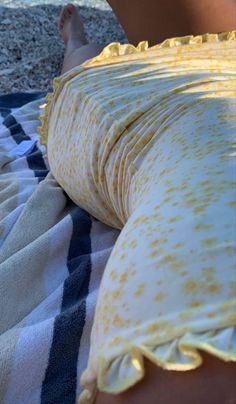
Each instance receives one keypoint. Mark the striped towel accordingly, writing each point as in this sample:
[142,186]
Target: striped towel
[52,257]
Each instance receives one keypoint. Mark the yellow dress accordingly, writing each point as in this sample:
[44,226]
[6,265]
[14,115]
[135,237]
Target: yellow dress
[144,140]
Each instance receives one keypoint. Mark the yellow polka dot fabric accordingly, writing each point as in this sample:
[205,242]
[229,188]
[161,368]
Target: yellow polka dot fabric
[144,139]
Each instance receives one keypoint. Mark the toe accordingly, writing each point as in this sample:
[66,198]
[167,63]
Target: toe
[65,13]
[71,7]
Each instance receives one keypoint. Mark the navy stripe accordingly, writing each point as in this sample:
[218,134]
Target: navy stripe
[17,100]
[4,112]
[60,381]
[15,129]
[36,163]
[35,158]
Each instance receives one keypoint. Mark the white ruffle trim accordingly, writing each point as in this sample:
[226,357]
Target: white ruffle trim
[113,50]
[181,355]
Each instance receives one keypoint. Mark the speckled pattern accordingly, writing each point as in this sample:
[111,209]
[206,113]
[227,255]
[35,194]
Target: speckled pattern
[144,139]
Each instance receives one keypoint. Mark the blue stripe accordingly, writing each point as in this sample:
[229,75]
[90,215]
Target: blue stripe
[17,100]
[15,129]
[35,158]
[36,163]
[4,112]
[60,381]
[59,385]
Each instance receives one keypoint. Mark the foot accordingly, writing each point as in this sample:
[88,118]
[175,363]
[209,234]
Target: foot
[71,27]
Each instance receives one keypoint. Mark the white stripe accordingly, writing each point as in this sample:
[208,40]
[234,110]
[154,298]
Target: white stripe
[27,182]
[6,140]
[56,270]
[8,222]
[26,178]
[30,362]
[28,118]
[34,343]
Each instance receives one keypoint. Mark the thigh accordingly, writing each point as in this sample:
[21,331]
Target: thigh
[212,383]
[156,20]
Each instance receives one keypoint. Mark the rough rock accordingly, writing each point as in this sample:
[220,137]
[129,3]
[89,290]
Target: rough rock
[31,51]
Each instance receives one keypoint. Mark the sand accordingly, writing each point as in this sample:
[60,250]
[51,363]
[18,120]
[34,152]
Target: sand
[31,51]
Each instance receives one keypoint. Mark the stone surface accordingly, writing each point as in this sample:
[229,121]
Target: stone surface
[31,50]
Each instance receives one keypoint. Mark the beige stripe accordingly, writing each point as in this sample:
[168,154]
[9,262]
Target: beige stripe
[8,343]
[9,188]
[26,252]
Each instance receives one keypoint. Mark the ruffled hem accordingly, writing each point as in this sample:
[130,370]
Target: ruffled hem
[116,49]
[181,354]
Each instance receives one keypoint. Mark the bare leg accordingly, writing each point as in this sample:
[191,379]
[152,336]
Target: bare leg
[156,20]
[212,383]
[78,49]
